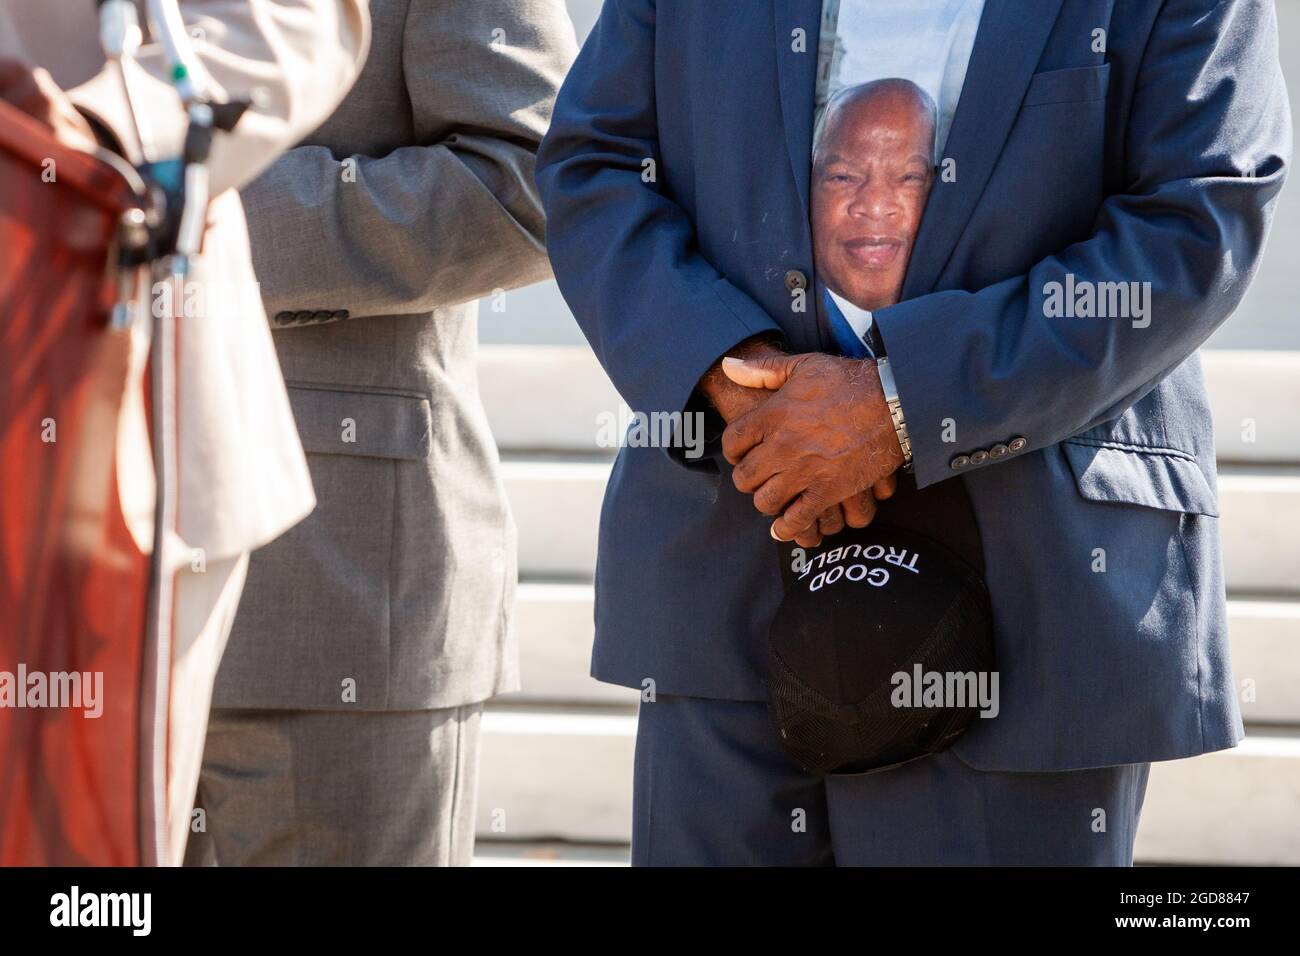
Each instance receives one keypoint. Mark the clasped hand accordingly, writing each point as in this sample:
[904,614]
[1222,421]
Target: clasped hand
[816,447]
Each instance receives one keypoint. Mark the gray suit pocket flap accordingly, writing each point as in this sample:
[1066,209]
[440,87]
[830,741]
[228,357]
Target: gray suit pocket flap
[341,421]
[1147,476]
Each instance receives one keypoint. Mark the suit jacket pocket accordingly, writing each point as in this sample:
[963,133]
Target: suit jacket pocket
[341,420]
[1143,475]
[1081,84]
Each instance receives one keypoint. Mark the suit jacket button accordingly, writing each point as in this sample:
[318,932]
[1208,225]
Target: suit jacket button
[979,457]
[998,451]
[1016,444]
[794,279]
[322,315]
[284,318]
[960,462]
[306,315]
[341,313]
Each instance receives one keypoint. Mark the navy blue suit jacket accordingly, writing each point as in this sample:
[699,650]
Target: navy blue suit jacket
[676,182]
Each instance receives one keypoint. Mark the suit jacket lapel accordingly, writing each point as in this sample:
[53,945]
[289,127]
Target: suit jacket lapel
[1007,47]
[797,77]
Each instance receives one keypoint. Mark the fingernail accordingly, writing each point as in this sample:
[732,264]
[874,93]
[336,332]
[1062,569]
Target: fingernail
[732,360]
[772,531]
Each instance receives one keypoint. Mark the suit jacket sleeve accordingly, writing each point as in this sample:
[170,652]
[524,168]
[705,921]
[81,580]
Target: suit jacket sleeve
[452,219]
[296,58]
[1208,142]
[656,312]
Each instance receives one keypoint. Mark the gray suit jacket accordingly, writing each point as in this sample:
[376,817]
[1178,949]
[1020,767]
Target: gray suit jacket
[372,241]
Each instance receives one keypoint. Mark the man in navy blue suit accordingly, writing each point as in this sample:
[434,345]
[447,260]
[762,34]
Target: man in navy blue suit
[1105,177]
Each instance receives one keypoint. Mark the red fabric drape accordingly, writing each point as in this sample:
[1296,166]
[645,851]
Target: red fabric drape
[73,585]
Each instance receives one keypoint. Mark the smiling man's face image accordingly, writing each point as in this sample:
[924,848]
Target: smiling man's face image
[872,170]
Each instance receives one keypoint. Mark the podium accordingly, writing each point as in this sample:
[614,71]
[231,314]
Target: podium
[75,719]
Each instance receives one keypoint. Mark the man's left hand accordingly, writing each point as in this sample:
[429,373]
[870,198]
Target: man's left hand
[824,436]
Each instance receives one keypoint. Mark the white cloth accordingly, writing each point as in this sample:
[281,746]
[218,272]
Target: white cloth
[206,601]
[926,41]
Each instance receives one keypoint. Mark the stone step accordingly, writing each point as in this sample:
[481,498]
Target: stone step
[556,774]
[546,397]
[1254,397]
[553,397]
[1235,807]
[555,628]
[557,507]
[555,631]
[549,853]
[1259,512]
[566,774]
[1265,642]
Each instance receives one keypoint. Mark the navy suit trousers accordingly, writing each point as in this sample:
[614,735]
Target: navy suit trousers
[713,788]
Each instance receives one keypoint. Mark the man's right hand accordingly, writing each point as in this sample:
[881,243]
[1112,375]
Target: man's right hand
[732,401]
[34,91]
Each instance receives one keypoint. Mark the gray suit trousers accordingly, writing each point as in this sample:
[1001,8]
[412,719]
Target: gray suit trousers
[338,788]
[713,788]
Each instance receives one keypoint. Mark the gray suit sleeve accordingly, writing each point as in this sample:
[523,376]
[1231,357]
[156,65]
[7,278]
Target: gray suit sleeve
[430,225]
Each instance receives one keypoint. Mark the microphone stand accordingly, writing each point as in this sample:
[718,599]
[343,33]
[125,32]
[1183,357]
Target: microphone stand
[164,237]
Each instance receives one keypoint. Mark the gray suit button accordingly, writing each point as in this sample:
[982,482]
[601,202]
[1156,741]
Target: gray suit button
[960,462]
[979,457]
[322,315]
[304,316]
[1016,444]
[998,451]
[284,318]
[794,279]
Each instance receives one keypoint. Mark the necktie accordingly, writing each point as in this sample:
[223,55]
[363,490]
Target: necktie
[847,340]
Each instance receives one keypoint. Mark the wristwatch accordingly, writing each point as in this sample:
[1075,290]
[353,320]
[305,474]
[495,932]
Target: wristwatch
[895,410]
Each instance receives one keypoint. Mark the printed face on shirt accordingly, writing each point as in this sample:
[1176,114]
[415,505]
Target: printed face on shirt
[873,166]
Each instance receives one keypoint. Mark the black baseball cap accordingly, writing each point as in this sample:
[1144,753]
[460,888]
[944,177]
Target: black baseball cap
[868,619]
